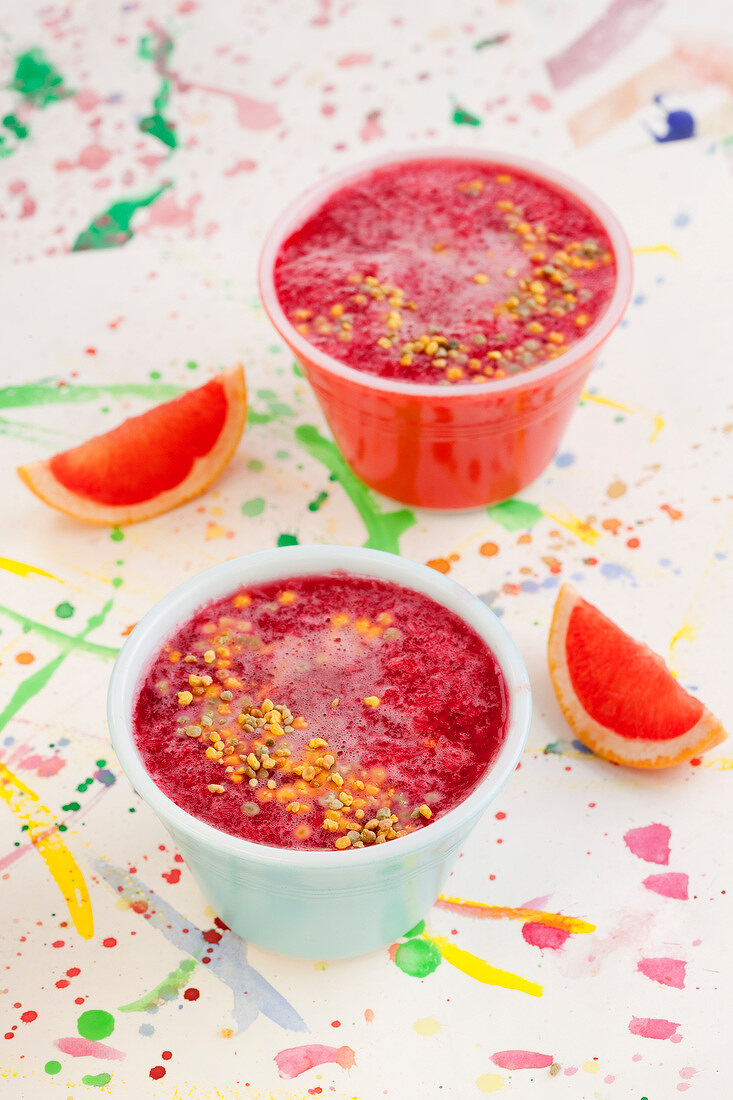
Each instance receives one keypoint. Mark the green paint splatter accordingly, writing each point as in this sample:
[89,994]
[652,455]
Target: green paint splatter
[192,365]
[96,1079]
[494,40]
[297,371]
[113,227]
[95,1024]
[156,124]
[32,433]
[287,540]
[34,683]
[167,990]
[70,807]
[36,79]
[64,610]
[116,534]
[267,395]
[315,505]
[513,515]
[52,1067]
[253,507]
[155,375]
[256,465]
[418,958]
[16,127]
[383,528]
[553,748]
[65,642]
[117,582]
[282,455]
[49,392]
[416,931]
[462,117]
[276,410]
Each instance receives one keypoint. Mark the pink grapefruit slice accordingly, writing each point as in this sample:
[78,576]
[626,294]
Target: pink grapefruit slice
[149,463]
[619,697]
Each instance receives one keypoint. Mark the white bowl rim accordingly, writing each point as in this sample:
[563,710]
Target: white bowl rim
[300,209]
[178,605]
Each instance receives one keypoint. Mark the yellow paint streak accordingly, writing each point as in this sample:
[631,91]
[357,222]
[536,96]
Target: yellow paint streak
[658,421]
[22,569]
[656,248]
[490,1082]
[46,839]
[723,763]
[481,970]
[536,916]
[575,525]
[427,1025]
[706,596]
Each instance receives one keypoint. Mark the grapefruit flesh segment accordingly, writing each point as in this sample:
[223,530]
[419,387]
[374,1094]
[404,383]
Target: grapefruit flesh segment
[618,696]
[150,463]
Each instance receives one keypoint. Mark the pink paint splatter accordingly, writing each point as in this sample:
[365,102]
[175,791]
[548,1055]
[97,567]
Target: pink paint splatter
[673,884]
[371,128]
[167,212]
[323,18]
[544,937]
[151,160]
[92,157]
[540,102]
[521,1059]
[86,99]
[351,59]
[570,1070]
[83,1048]
[652,1029]
[650,843]
[44,766]
[664,970]
[241,166]
[296,1060]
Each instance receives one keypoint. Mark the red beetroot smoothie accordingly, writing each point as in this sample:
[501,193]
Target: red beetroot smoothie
[446,271]
[321,712]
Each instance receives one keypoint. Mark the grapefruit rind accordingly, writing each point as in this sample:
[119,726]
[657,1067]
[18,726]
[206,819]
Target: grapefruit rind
[638,752]
[39,477]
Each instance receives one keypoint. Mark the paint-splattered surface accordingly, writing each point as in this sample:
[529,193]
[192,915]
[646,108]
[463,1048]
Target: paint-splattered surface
[580,949]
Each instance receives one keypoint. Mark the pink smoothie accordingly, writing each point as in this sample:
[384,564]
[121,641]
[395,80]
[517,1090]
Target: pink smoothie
[446,271]
[331,711]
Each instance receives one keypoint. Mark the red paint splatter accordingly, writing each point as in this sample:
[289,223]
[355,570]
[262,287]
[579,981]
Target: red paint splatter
[544,937]
[500,815]
[173,876]
[335,1023]
[140,906]
[296,1060]
[674,884]
[521,1059]
[29,1017]
[73,972]
[651,843]
[633,543]
[157,1072]
[191,994]
[212,936]
[652,1029]
[57,943]
[664,970]
[166,1055]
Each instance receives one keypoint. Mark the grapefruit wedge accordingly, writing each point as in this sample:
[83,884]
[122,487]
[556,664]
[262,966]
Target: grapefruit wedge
[150,463]
[618,696]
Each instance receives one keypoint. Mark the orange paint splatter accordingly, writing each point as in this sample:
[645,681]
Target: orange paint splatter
[673,513]
[552,563]
[524,539]
[483,911]
[369,1015]
[488,549]
[439,564]
[24,658]
[612,525]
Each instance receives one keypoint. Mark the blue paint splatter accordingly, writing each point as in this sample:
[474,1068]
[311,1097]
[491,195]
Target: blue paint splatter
[228,961]
[613,572]
[146,1029]
[105,776]
[550,582]
[582,748]
[565,459]
[682,220]
[665,563]
[680,124]
[639,299]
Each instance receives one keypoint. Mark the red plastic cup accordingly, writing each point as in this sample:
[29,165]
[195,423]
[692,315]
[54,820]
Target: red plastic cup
[458,446]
